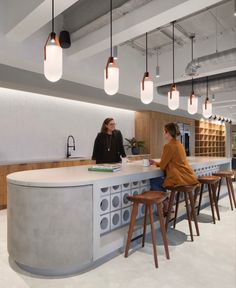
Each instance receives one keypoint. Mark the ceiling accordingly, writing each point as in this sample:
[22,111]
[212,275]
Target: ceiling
[211,22]
[88,11]
[24,27]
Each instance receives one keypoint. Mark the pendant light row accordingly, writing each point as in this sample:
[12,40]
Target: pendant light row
[111,79]
[173,94]
[53,72]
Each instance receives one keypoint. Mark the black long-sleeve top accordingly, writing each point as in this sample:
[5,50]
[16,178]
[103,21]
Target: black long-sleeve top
[108,148]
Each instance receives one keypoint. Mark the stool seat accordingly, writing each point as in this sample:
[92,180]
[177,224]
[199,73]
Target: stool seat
[208,179]
[149,196]
[188,197]
[183,188]
[224,173]
[148,199]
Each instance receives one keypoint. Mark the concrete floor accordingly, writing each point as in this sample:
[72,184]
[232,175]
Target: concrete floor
[209,261]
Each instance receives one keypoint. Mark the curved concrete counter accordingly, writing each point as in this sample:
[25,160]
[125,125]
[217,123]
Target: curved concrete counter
[55,215]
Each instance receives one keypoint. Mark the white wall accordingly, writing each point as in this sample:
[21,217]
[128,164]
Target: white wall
[36,127]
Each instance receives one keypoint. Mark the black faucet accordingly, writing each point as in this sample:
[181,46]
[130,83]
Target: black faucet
[68,153]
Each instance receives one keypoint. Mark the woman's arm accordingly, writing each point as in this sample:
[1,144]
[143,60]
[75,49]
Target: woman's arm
[96,147]
[120,144]
[166,156]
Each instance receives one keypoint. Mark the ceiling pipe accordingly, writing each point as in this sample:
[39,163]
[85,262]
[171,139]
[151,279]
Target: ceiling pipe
[217,83]
[197,63]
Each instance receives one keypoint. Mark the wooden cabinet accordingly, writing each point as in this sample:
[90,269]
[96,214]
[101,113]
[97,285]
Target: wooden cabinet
[149,127]
[7,169]
[209,139]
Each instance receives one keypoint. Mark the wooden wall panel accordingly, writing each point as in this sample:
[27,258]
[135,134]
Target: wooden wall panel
[142,124]
[149,127]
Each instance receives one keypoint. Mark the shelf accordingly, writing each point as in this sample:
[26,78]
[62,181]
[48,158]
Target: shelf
[209,139]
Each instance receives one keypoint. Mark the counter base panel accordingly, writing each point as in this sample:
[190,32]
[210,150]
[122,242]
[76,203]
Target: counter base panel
[50,231]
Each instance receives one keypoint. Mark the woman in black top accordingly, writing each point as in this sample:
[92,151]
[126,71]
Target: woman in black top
[108,145]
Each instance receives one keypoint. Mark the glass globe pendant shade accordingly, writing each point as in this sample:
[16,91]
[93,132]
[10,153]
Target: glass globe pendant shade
[146,89]
[173,98]
[111,77]
[53,57]
[207,109]
[192,104]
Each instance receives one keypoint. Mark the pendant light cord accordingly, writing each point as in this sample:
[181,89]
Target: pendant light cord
[146,52]
[216,31]
[53,16]
[111,26]
[192,37]
[173,38]
[207,90]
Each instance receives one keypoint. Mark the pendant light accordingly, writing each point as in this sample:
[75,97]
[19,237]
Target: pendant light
[173,94]
[52,55]
[157,67]
[111,72]
[146,87]
[207,105]
[192,100]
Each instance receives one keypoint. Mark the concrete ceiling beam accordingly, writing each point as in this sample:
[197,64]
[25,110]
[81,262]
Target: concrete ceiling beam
[155,14]
[36,18]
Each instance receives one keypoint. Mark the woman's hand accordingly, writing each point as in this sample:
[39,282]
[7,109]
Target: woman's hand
[152,162]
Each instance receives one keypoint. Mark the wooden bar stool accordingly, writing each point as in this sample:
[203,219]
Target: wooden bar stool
[211,182]
[148,199]
[189,199]
[228,177]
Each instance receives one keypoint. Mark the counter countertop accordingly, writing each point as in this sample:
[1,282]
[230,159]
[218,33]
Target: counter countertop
[72,158]
[79,175]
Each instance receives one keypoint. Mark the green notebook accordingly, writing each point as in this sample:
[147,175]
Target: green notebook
[105,168]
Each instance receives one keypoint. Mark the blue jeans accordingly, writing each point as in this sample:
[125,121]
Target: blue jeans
[156,184]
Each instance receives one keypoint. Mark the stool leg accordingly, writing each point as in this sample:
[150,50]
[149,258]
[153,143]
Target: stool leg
[171,201]
[131,227]
[211,202]
[144,225]
[232,190]
[219,186]
[200,199]
[176,208]
[229,192]
[213,189]
[188,215]
[153,235]
[163,230]
[193,213]
[195,196]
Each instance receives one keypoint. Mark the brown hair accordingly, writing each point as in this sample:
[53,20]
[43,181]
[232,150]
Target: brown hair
[172,129]
[106,122]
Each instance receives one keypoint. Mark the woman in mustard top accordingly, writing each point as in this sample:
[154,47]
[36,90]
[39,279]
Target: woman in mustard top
[173,162]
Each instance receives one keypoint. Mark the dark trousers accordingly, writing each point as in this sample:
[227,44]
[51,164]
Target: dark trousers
[156,184]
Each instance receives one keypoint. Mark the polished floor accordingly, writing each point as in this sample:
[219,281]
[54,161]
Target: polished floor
[209,261]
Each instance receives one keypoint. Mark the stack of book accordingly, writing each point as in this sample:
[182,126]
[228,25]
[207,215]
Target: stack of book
[105,168]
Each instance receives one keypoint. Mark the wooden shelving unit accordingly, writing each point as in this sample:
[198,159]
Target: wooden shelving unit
[209,139]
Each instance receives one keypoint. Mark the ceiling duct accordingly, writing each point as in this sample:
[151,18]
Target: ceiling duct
[218,83]
[215,58]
